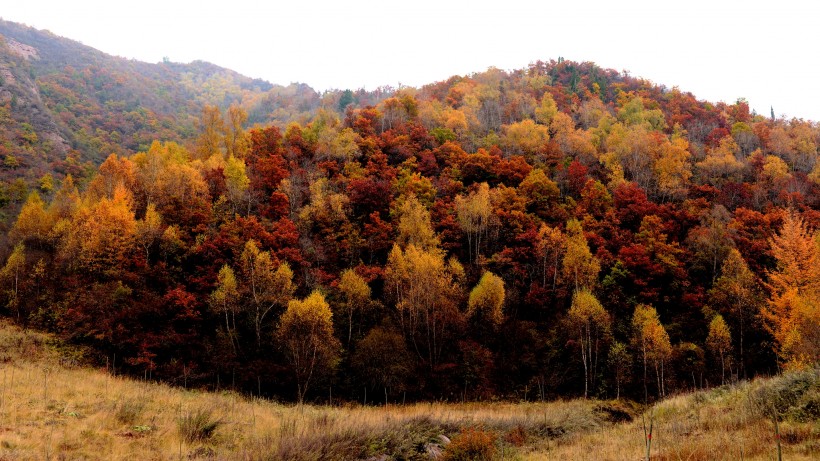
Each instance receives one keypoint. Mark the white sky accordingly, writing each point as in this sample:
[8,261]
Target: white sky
[718,49]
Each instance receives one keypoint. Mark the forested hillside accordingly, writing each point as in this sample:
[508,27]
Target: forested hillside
[64,107]
[556,230]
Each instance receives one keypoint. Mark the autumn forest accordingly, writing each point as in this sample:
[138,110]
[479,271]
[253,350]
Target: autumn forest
[560,230]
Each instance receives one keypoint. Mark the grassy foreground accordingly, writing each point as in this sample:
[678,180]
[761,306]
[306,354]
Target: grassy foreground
[52,410]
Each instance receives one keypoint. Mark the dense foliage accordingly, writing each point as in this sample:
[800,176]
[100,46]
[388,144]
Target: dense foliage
[557,230]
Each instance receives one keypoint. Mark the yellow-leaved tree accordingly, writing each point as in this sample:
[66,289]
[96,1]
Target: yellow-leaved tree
[236,140]
[473,214]
[427,292]
[306,334]
[148,229]
[11,277]
[650,339]
[237,184]
[590,324]
[33,223]
[486,300]
[267,285]
[580,267]
[211,128]
[736,293]
[225,300]
[719,343]
[356,294]
[415,227]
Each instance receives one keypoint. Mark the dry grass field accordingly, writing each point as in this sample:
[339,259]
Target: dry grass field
[50,410]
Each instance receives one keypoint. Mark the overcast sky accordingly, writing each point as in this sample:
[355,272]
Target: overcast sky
[719,50]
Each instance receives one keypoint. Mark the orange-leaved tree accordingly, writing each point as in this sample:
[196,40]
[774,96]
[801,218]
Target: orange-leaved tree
[792,314]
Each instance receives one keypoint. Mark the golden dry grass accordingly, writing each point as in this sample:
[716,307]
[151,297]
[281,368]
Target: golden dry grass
[51,410]
[722,424]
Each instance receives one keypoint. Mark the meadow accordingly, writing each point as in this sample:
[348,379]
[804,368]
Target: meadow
[52,408]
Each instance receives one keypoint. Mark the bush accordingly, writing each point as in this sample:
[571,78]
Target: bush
[794,395]
[197,426]
[472,444]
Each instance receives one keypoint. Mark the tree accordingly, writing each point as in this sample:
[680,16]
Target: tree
[721,163]
[550,246]
[719,343]
[541,192]
[546,110]
[338,144]
[711,241]
[591,324]
[487,299]
[266,285]
[225,299]
[114,172]
[65,201]
[672,167]
[148,229]
[736,290]
[649,337]
[793,284]
[621,361]
[382,359]
[414,225]
[525,138]
[235,138]
[356,294]
[306,334]
[33,223]
[236,183]
[474,215]
[631,150]
[46,183]
[579,265]
[775,171]
[12,275]
[100,238]
[211,128]
[345,100]
[427,291]
[802,343]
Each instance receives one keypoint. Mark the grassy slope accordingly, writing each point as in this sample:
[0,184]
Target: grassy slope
[50,409]
[728,423]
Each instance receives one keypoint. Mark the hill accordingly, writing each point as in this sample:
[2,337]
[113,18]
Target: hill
[559,230]
[53,408]
[65,104]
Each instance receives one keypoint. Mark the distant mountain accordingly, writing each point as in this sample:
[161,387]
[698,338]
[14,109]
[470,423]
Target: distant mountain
[64,104]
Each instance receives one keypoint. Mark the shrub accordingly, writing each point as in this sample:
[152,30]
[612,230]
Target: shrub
[197,426]
[472,444]
[794,395]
